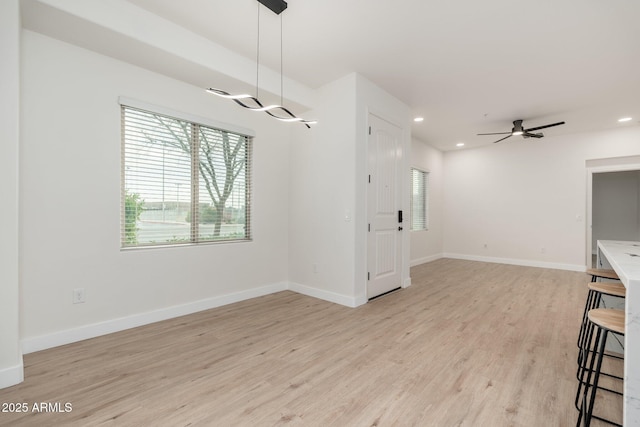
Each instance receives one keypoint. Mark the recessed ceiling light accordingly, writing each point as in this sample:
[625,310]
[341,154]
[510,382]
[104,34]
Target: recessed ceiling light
[418,119]
[460,144]
[625,119]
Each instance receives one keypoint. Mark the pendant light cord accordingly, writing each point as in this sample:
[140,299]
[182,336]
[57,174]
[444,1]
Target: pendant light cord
[258,56]
[258,61]
[278,112]
[281,68]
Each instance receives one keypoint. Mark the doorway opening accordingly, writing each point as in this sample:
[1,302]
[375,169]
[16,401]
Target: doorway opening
[613,202]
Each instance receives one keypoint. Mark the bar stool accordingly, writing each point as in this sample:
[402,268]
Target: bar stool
[601,273]
[597,273]
[594,299]
[604,321]
[596,290]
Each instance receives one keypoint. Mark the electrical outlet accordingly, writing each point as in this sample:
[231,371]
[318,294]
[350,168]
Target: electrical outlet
[78,295]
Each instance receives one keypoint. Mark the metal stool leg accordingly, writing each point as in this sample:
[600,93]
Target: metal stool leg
[587,383]
[592,301]
[582,368]
[594,388]
[590,377]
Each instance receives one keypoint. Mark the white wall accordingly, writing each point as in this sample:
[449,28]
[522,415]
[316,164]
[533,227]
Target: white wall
[616,206]
[70,202]
[427,245]
[322,189]
[328,184]
[526,200]
[11,371]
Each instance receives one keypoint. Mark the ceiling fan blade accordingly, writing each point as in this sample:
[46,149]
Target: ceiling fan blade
[509,136]
[544,127]
[498,133]
[532,135]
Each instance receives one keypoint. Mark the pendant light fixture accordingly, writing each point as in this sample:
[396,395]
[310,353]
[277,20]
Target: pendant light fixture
[252,102]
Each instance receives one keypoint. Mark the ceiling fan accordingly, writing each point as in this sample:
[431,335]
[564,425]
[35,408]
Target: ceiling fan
[518,130]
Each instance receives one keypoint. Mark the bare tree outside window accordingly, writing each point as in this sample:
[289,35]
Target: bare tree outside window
[193,180]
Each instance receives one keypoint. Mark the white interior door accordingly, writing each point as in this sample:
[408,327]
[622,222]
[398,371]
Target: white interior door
[384,198]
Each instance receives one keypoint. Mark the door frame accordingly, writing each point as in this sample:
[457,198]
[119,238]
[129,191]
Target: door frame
[618,164]
[403,179]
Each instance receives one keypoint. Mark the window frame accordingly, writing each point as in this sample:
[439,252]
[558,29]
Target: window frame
[242,135]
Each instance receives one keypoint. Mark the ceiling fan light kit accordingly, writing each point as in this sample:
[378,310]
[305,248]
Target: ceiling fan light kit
[519,130]
[252,103]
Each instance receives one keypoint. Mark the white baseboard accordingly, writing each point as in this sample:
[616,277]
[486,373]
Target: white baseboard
[327,295]
[43,342]
[520,262]
[407,282]
[361,300]
[30,345]
[424,260]
[12,375]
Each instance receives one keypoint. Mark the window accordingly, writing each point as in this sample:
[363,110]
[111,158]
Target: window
[419,200]
[182,182]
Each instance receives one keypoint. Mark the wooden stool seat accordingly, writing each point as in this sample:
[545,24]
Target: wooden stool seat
[609,288]
[608,318]
[605,274]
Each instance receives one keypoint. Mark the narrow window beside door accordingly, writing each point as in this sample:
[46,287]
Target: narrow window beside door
[419,200]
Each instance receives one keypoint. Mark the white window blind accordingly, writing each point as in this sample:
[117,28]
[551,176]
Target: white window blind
[419,199]
[182,182]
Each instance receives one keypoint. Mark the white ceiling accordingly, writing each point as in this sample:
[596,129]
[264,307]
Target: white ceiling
[466,66]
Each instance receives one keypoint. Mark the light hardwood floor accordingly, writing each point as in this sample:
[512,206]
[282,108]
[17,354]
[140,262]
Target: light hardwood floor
[468,344]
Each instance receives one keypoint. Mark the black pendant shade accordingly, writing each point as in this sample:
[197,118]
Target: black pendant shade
[276,6]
